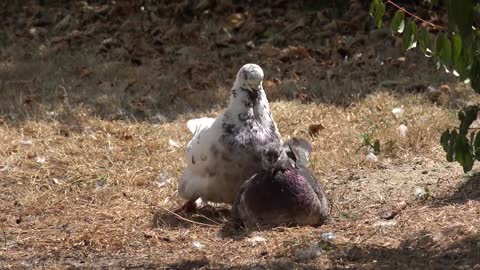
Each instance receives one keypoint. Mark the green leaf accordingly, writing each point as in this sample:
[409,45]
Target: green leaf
[466,116]
[444,139]
[409,38]
[377,10]
[378,14]
[475,74]
[443,49]
[424,40]
[456,47]
[463,154]
[460,17]
[451,145]
[367,140]
[398,22]
[376,147]
[472,137]
[373,7]
[460,65]
[476,145]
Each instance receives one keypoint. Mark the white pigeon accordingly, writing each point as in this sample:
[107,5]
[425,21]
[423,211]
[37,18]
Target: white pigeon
[226,151]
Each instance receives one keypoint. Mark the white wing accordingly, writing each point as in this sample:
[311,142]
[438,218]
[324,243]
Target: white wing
[198,154]
[197,125]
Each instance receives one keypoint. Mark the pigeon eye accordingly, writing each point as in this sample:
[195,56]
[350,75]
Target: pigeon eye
[245,76]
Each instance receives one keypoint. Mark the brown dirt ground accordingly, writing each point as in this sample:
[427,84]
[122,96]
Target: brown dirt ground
[93,132]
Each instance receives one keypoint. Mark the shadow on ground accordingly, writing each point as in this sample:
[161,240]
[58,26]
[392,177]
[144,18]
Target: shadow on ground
[467,190]
[206,215]
[140,66]
[417,253]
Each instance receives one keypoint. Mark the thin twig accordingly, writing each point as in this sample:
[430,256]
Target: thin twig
[209,219]
[369,236]
[454,127]
[5,237]
[191,221]
[413,15]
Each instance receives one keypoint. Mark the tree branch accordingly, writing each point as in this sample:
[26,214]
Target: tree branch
[414,16]
[454,127]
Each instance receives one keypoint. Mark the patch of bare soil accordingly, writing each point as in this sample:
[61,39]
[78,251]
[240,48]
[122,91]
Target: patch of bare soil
[95,95]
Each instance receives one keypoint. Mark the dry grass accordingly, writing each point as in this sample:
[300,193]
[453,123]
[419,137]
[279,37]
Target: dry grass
[92,143]
[94,194]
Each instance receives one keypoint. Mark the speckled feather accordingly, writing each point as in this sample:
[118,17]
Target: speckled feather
[222,155]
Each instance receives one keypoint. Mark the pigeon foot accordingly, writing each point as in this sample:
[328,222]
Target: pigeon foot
[187,208]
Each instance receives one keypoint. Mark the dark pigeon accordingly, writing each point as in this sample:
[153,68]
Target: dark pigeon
[284,192]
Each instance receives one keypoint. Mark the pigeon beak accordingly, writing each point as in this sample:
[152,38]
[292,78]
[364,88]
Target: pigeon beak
[256,88]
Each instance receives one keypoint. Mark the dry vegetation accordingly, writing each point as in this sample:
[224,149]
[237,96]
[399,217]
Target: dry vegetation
[93,137]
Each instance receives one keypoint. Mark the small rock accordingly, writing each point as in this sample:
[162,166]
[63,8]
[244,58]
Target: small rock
[309,253]
[198,245]
[402,131]
[385,223]
[25,142]
[389,214]
[424,172]
[256,240]
[40,159]
[402,205]
[99,183]
[422,193]
[371,157]
[438,237]
[162,179]
[397,112]
[328,236]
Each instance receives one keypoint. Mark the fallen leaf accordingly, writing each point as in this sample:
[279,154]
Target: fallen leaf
[234,20]
[149,234]
[40,159]
[269,84]
[56,181]
[173,143]
[433,93]
[314,130]
[198,245]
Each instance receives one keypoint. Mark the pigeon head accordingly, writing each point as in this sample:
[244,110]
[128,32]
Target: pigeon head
[274,156]
[249,77]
